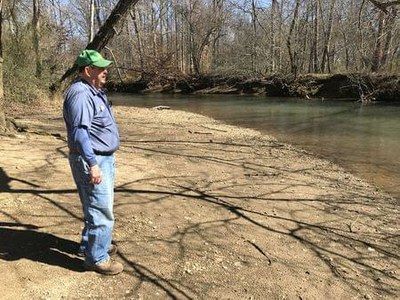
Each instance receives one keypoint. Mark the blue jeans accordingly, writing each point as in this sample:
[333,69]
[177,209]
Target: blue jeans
[97,203]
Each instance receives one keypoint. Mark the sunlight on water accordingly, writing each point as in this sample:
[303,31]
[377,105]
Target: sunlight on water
[362,138]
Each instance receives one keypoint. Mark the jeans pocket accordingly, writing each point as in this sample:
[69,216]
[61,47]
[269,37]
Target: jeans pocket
[80,169]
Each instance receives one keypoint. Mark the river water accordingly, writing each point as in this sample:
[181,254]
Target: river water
[363,139]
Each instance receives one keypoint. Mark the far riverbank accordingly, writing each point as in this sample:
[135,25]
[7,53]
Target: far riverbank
[366,88]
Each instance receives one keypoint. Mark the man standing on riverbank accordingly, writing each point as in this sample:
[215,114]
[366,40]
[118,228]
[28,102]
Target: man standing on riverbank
[93,138]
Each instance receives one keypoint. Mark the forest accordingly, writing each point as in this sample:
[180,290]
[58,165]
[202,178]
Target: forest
[167,40]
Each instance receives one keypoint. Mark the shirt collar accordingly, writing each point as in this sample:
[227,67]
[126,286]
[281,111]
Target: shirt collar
[95,92]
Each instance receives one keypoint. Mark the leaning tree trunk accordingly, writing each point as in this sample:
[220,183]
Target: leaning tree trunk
[105,33]
[2,113]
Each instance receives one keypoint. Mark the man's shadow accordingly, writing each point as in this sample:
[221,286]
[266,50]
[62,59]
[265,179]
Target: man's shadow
[37,246]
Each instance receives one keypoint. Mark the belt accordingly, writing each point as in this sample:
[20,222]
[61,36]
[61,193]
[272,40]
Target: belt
[101,153]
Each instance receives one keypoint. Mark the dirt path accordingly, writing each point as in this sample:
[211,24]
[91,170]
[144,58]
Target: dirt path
[203,211]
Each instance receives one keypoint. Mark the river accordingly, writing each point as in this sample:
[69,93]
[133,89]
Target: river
[363,139]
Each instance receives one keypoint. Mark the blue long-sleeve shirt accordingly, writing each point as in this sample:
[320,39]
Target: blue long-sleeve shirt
[91,126]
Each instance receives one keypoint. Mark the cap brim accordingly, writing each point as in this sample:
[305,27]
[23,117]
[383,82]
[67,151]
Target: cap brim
[104,63]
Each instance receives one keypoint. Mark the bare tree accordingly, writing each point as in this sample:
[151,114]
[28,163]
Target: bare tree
[292,52]
[255,40]
[203,27]
[327,39]
[92,18]
[273,29]
[384,38]
[138,34]
[164,38]
[36,36]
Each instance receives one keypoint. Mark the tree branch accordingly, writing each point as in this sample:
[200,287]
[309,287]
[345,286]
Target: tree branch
[105,33]
[384,5]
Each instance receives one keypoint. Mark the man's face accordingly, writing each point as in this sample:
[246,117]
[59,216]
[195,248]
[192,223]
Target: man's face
[98,76]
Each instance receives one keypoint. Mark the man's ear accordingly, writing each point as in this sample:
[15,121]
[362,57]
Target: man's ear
[86,71]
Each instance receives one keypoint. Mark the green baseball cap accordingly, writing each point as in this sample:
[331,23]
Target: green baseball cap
[92,58]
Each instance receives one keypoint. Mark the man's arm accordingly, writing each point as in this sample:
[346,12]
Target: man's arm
[79,113]
[82,140]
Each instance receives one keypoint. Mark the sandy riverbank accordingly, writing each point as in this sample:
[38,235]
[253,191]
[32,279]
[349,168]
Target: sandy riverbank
[203,211]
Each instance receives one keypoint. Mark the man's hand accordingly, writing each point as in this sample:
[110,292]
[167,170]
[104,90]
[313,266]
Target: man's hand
[95,174]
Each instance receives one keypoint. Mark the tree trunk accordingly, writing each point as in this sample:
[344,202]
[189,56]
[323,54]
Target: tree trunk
[183,42]
[378,53]
[274,14]
[314,52]
[254,46]
[116,64]
[138,34]
[97,9]
[346,50]
[194,51]
[361,41]
[2,113]
[389,37]
[219,19]
[190,48]
[176,47]
[326,51]
[293,53]
[161,26]
[105,33]
[36,36]
[92,14]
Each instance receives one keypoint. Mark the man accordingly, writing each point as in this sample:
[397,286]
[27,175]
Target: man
[93,138]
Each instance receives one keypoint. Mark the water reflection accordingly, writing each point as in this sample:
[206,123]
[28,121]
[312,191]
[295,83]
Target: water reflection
[363,139]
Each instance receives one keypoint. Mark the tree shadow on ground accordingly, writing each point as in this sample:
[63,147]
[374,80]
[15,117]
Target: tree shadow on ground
[5,181]
[338,248]
[27,243]
[335,242]
[47,248]
[18,240]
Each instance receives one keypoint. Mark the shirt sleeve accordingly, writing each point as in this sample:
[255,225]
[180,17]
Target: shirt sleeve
[81,113]
[81,139]
[81,110]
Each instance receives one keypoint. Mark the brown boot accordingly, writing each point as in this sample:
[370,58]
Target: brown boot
[108,267]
